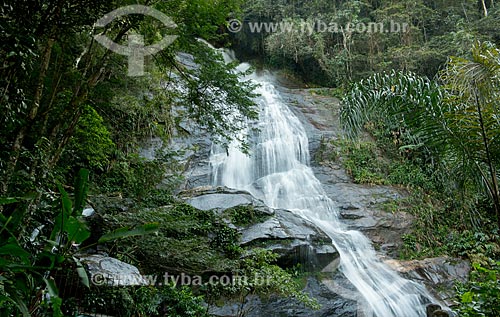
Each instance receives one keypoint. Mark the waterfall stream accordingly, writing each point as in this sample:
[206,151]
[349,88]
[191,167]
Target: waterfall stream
[277,171]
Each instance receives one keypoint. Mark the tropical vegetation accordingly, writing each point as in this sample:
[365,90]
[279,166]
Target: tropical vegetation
[447,128]
[73,125]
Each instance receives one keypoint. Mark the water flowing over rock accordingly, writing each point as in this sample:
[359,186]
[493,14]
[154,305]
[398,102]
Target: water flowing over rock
[358,204]
[294,239]
[440,273]
[278,172]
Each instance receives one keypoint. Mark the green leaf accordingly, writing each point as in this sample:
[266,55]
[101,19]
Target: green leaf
[77,230]
[20,304]
[13,249]
[66,202]
[12,223]
[51,287]
[56,306]
[411,146]
[11,200]
[8,200]
[55,300]
[81,272]
[126,232]
[64,215]
[467,297]
[81,189]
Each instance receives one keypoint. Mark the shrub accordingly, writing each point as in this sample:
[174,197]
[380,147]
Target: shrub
[480,297]
[91,145]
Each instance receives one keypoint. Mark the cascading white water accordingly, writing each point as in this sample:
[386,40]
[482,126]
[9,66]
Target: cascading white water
[277,171]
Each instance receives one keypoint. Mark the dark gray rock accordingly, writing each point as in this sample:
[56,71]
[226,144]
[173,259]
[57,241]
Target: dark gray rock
[434,310]
[192,147]
[187,60]
[285,225]
[430,309]
[318,114]
[360,208]
[296,240]
[440,313]
[222,198]
[332,304]
[196,147]
[440,274]
[149,148]
[106,271]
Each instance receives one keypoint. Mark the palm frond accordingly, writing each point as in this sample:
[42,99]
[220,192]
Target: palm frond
[458,121]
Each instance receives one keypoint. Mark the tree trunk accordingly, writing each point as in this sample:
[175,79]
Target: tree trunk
[485,9]
[37,99]
[494,181]
[65,140]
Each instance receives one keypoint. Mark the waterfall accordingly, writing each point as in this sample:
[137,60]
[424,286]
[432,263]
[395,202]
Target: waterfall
[277,171]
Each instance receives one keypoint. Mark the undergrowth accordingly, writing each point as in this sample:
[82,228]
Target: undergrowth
[446,222]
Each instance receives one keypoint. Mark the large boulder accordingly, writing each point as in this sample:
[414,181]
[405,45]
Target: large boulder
[296,240]
[107,271]
[223,198]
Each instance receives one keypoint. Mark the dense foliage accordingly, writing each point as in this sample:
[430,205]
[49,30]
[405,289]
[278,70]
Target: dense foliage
[451,127]
[68,108]
[434,30]
[67,103]
[54,73]
[446,132]
[481,296]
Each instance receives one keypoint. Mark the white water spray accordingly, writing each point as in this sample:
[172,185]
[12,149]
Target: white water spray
[277,171]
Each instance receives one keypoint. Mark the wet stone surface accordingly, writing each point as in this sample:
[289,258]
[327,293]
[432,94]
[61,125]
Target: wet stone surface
[359,207]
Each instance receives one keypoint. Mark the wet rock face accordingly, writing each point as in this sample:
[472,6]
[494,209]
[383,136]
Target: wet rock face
[359,204]
[440,274]
[359,207]
[332,304]
[434,310]
[196,149]
[294,239]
